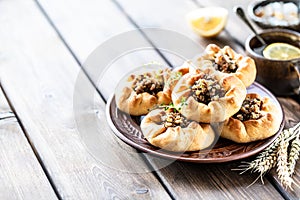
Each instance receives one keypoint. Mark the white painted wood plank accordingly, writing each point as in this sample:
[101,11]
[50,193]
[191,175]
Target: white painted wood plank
[21,176]
[39,74]
[170,14]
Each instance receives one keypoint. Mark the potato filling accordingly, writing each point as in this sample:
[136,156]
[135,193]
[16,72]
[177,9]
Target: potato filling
[206,90]
[250,110]
[147,83]
[174,118]
[224,63]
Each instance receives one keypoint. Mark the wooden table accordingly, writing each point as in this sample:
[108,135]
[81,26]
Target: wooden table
[43,45]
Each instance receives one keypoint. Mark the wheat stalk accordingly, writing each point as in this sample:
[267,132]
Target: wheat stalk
[282,164]
[277,154]
[266,160]
[268,155]
[294,155]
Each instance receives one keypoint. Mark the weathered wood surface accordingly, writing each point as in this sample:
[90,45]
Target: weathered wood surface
[38,73]
[240,32]
[169,15]
[174,187]
[90,27]
[233,28]
[47,73]
[21,175]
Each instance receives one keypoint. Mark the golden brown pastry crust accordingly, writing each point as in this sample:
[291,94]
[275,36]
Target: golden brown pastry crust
[215,111]
[252,130]
[246,70]
[140,104]
[178,72]
[191,138]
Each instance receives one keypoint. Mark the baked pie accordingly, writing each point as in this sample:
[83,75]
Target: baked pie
[142,92]
[180,105]
[256,120]
[226,60]
[170,130]
[208,96]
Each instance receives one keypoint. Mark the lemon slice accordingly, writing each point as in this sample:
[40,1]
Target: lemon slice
[209,21]
[281,51]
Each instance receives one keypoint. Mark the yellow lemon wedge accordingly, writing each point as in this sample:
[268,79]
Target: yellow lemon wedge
[208,21]
[281,51]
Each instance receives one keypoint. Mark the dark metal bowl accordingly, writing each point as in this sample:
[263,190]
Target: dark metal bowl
[265,25]
[279,76]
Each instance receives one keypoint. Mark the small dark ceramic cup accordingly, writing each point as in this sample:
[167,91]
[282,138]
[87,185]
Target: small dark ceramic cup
[280,76]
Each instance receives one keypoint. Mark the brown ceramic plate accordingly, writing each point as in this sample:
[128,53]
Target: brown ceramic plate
[127,129]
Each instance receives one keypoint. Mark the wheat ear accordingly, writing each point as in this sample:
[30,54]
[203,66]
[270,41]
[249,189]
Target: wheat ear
[266,160]
[294,155]
[282,164]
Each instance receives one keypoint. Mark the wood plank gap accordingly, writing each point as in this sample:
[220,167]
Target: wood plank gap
[61,37]
[269,177]
[1,118]
[38,157]
[154,172]
[43,11]
[157,176]
[277,186]
[130,19]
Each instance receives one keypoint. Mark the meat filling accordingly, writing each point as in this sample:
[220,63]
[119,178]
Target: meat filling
[147,83]
[174,118]
[206,90]
[250,110]
[224,63]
